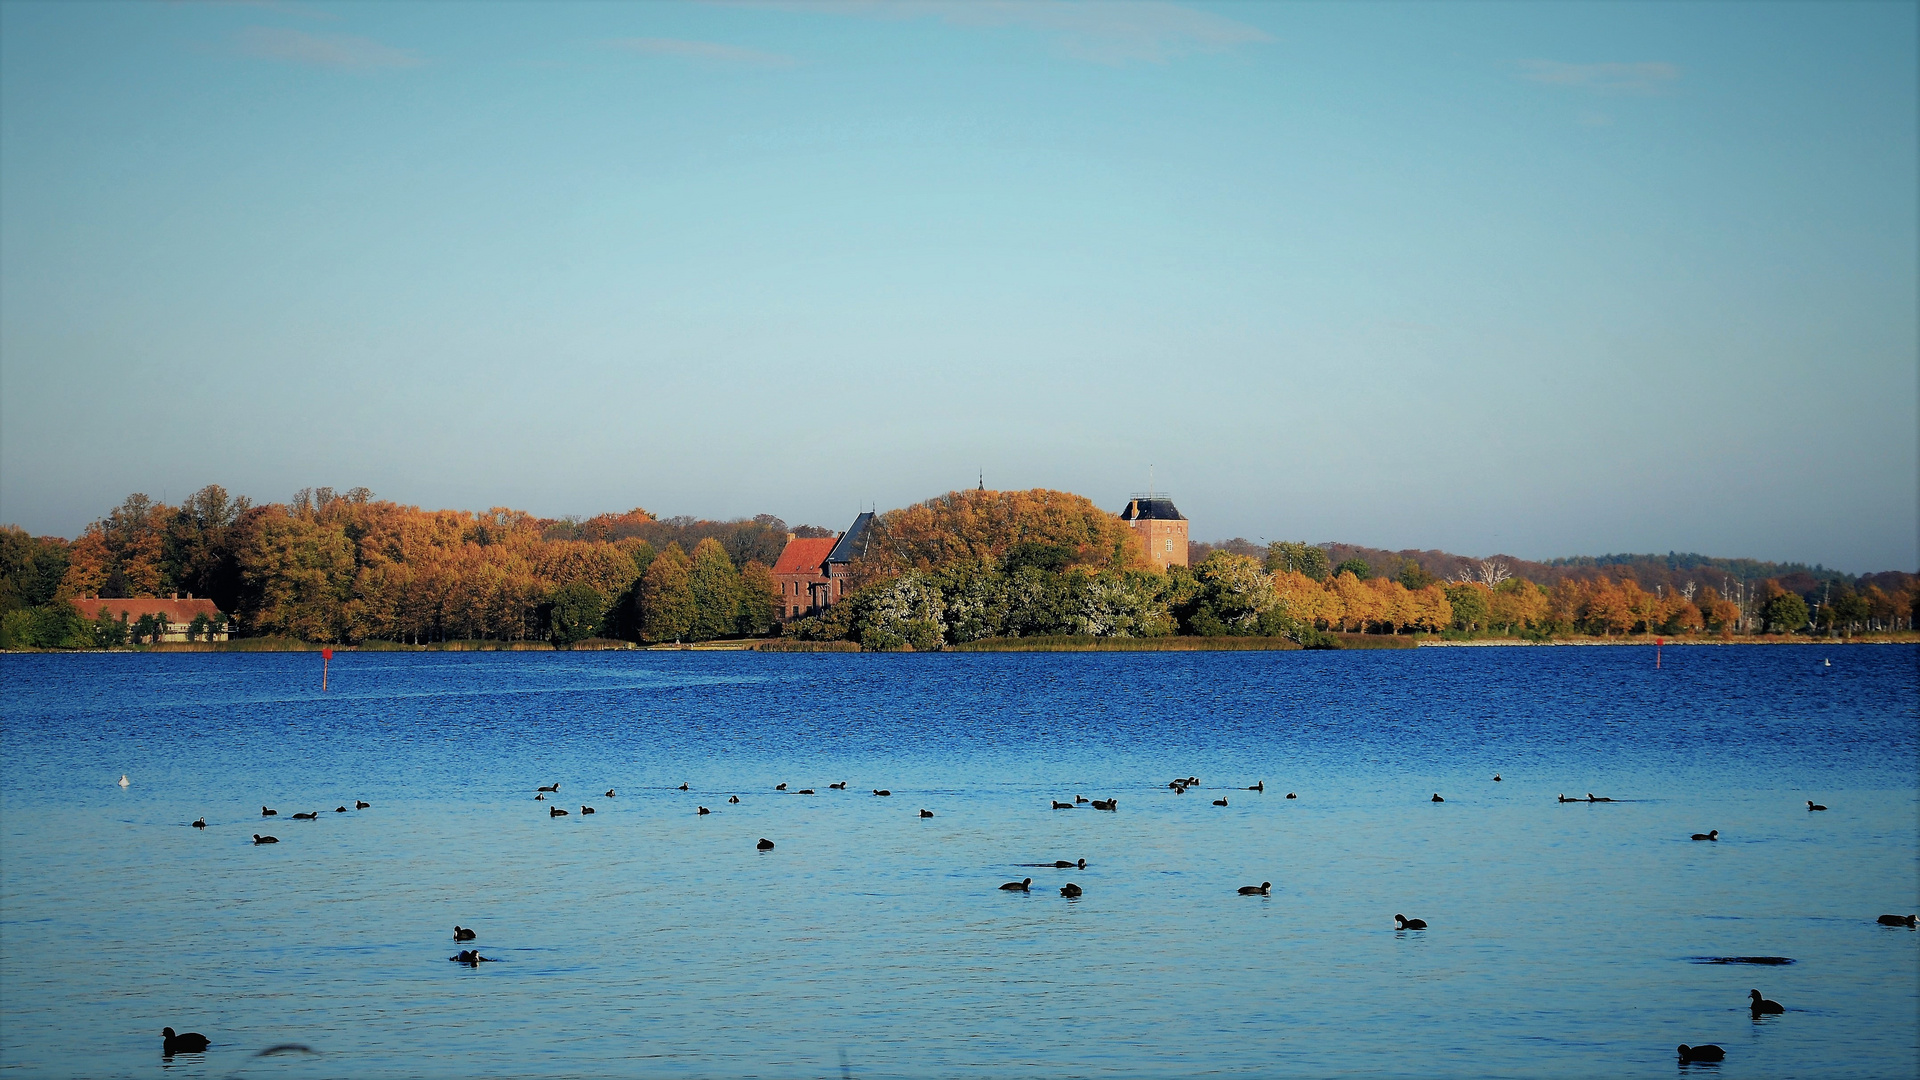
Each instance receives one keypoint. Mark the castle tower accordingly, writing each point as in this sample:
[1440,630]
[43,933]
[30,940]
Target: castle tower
[1159,528]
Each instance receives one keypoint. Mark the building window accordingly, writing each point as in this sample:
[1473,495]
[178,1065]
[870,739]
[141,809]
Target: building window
[1169,543]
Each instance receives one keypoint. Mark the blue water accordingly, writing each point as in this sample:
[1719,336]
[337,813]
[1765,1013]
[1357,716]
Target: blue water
[647,940]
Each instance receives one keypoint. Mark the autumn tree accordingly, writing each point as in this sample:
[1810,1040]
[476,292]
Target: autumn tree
[979,527]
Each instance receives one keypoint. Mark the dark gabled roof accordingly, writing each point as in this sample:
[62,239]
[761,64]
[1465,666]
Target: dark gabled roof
[1151,508]
[853,542]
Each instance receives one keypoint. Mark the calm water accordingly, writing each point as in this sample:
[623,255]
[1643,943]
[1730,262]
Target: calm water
[646,940]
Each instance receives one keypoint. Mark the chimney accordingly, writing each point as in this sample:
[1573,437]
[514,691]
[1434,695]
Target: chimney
[189,596]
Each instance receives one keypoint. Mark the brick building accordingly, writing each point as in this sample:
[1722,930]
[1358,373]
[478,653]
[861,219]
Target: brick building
[177,612]
[812,571]
[1159,529]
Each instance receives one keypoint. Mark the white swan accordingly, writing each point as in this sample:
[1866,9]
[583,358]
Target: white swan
[123,779]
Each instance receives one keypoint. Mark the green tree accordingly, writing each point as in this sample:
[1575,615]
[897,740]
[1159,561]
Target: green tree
[1414,576]
[666,597]
[1786,613]
[1471,609]
[577,610]
[716,591]
[1299,558]
[1356,566]
[759,598]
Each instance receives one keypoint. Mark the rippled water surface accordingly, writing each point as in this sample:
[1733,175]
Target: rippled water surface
[645,939]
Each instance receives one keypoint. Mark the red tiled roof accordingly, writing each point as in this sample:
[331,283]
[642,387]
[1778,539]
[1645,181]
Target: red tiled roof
[805,555]
[175,611]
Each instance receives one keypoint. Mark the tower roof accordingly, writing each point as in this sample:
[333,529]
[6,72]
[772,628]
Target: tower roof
[1151,508]
[853,542]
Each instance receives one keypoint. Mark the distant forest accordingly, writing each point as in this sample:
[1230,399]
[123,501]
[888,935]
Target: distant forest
[345,567]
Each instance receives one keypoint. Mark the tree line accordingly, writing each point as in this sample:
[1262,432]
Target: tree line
[345,567]
[969,565]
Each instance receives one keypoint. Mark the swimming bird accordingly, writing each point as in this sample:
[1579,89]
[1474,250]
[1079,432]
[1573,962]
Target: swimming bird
[123,780]
[471,957]
[764,844]
[264,812]
[1762,1007]
[461,933]
[199,823]
[1714,835]
[1062,864]
[1017,886]
[1109,804]
[1265,888]
[1078,799]
[191,1042]
[1219,802]
[307,817]
[1591,797]
[926,813]
[1058,805]
[361,805]
[779,787]
[586,810]
[1563,798]
[1811,805]
[553,787]
[806,791]
[339,809]
[1496,778]
[1176,785]
[1409,924]
[734,799]
[1069,890]
[609,793]
[683,787]
[539,798]
[1261,786]
[702,810]
[258,839]
[1437,798]
[1709,1052]
[1179,789]
[841,786]
[1291,795]
[881,791]
[1899,920]
[554,811]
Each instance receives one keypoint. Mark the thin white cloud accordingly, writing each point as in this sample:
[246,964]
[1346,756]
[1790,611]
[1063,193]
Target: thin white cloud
[702,50]
[1644,77]
[1111,32]
[323,50]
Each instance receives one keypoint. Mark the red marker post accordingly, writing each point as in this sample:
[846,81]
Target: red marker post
[326,658]
[1657,642]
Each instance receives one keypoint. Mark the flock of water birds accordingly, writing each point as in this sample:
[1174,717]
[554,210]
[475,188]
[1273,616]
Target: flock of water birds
[194,1042]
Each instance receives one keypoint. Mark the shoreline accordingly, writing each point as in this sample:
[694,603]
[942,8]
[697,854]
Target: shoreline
[1348,643]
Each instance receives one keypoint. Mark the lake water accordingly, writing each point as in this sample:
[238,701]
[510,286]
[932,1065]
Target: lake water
[647,940]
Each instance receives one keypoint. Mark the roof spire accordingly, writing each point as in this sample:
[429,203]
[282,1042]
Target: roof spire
[983,478]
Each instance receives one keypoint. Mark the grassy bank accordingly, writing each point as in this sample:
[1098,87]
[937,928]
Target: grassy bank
[785,645]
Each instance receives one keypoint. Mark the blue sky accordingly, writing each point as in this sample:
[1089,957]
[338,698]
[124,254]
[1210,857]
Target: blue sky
[1542,279]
